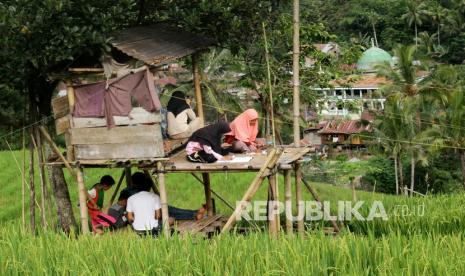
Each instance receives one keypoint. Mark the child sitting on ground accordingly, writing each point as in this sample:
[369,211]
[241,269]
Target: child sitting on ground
[95,199]
[118,210]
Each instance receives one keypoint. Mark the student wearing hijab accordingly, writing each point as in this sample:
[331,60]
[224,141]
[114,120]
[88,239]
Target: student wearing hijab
[204,146]
[244,130]
[182,121]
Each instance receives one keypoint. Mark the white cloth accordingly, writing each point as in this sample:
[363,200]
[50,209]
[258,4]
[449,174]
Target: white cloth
[143,205]
[179,123]
[92,193]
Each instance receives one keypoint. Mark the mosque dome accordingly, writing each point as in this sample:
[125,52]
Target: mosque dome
[372,57]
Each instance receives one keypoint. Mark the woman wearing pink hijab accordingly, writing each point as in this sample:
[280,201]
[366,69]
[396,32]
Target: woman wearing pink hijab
[244,130]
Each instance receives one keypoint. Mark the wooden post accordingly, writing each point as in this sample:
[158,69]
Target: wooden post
[295,72]
[42,179]
[317,198]
[69,147]
[70,94]
[163,199]
[298,198]
[127,172]
[269,164]
[56,150]
[288,201]
[23,183]
[198,91]
[215,193]
[273,216]
[82,201]
[32,193]
[208,193]
[115,192]
[71,102]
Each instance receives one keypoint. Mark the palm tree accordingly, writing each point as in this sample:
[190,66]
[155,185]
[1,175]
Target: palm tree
[403,76]
[438,14]
[426,42]
[453,125]
[389,131]
[408,91]
[414,15]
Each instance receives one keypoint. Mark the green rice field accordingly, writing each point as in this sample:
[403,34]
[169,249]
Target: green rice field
[422,236]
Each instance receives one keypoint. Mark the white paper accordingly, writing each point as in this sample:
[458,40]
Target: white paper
[237,159]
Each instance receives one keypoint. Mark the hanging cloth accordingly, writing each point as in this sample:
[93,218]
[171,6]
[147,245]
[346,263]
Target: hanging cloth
[114,96]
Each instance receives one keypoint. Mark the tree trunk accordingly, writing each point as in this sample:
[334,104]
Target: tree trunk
[439,36]
[462,161]
[396,174]
[412,174]
[416,35]
[62,199]
[401,174]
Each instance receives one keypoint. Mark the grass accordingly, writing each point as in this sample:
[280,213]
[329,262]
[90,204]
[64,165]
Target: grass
[126,254]
[412,244]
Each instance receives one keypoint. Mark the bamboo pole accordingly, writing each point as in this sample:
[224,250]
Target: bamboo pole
[317,198]
[23,183]
[82,201]
[56,150]
[298,198]
[288,200]
[115,192]
[42,179]
[198,91]
[270,87]
[71,103]
[273,215]
[295,72]
[164,200]
[127,172]
[269,164]
[215,193]
[32,194]
[208,194]
[154,182]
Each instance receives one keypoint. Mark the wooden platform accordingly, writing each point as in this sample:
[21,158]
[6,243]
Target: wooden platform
[179,163]
[206,227]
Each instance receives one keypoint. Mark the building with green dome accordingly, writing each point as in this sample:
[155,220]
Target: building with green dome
[372,57]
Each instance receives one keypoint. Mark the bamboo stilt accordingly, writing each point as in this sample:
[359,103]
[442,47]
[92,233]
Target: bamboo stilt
[163,199]
[298,198]
[288,200]
[42,179]
[23,183]
[215,193]
[273,212]
[82,201]
[127,171]
[32,194]
[269,164]
[57,150]
[317,198]
[198,91]
[115,192]
[208,194]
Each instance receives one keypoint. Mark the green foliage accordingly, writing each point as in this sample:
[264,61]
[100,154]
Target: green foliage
[381,174]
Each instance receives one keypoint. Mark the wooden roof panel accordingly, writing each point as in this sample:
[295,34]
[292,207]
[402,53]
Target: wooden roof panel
[158,44]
